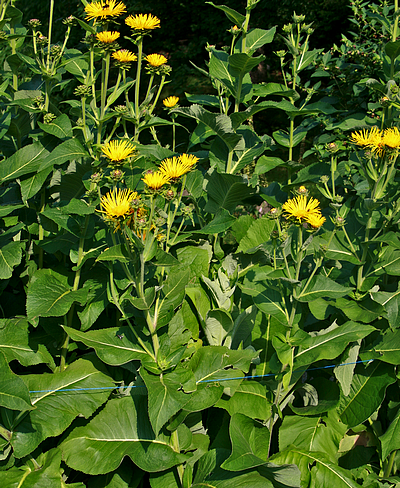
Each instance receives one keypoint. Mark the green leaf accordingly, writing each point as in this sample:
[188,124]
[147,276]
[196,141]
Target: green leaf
[257,38]
[13,392]
[267,299]
[367,392]
[321,286]
[32,185]
[114,253]
[249,399]
[392,49]
[242,63]
[316,468]
[388,347]
[10,256]
[232,15]
[312,434]
[266,89]
[283,138]
[345,371]
[266,163]
[114,345]
[390,440]
[48,296]
[55,411]
[222,222]
[67,151]
[97,300]
[47,473]
[60,127]
[24,161]
[328,394]
[121,429]
[194,183]
[250,443]
[391,302]
[221,124]
[328,344]
[226,191]
[218,324]
[365,310]
[167,394]
[77,66]
[258,233]
[18,343]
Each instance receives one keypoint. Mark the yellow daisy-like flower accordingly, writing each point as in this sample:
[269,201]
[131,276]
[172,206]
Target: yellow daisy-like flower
[175,167]
[103,9]
[156,60]
[118,151]
[170,102]
[155,180]
[188,159]
[316,220]
[124,56]
[300,209]
[143,22]
[366,137]
[107,37]
[391,138]
[116,204]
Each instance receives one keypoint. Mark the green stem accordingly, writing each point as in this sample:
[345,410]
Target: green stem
[137,84]
[364,245]
[389,465]
[175,445]
[158,94]
[49,34]
[41,230]
[291,131]
[150,85]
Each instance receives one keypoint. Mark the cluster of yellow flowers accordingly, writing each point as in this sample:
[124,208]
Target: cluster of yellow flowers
[378,141]
[300,209]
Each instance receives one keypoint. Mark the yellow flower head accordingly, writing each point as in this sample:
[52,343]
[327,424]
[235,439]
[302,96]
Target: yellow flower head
[107,37]
[188,159]
[300,209]
[316,220]
[143,22]
[155,180]
[124,56]
[391,138]
[156,60]
[170,102]
[104,9]
[118,151]
[116,204]
[175,167]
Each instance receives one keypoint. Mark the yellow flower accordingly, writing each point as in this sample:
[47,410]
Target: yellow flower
[103,9]
[391,138]
[118,151]
[170,102]
[143,22]
[116,204]
[124,56]
[300,209]
[107,37]
[155,180]
[316,220]
[176,167]
[156,60]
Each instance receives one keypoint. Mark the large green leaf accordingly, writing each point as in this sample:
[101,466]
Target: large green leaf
[312,434]
[54,409]
[226,192]
[18,343]
[24,161]
[13,392]
[316,469]
[10,256]
[388,347]
[242,63]
[67,151]
[234,16]
[250,443]
[249,399]
[267,299]
[217,325]
[46,473]
[121,429]
[32,185]
[328,344]
[258,233]
[167,394]
[367,392]
[390,440]
[222,222]
[48,296]
[220,124]
[321,286]
[391,302]
[60,127]
[257,38]
[114,346]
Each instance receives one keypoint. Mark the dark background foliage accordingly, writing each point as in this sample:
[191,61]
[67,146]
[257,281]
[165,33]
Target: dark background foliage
[187,26]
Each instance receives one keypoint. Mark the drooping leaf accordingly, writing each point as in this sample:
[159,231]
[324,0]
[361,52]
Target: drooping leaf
[10,256]
[390,440]
[249,399]
[13,392]
[26,160]
[121,429]
[321,286]
[47,399]
[60,127]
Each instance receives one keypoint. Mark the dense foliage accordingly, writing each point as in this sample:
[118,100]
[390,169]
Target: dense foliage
[187,301]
